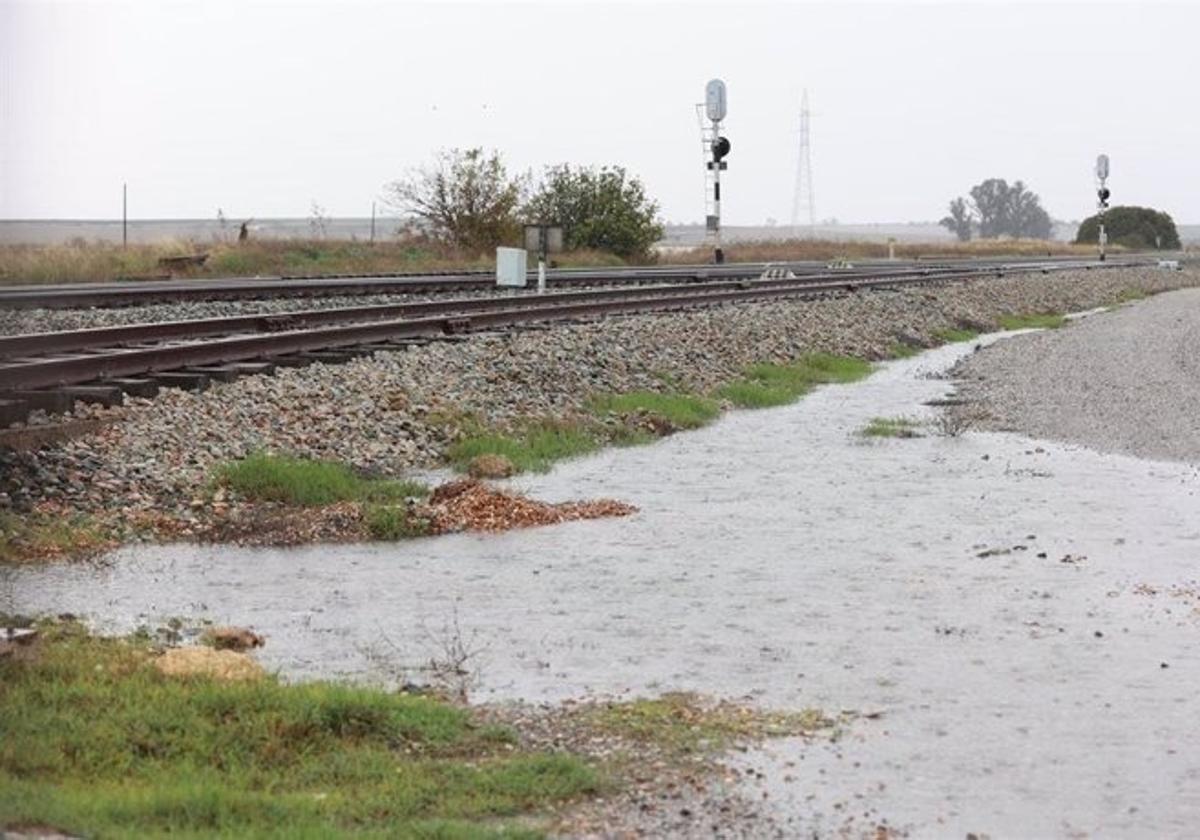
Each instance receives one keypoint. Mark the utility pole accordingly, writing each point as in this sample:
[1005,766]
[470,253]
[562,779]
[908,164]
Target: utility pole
[714,104]
[1102,195]
[372,222]
[124,215]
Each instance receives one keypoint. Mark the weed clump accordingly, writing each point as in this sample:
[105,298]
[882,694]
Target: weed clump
[768,384]
[301,481]
[1045,321]
[533,450]
[890,427]
[951,336]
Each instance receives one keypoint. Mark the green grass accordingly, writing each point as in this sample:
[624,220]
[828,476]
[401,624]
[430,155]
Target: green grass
[746,393]
[890,427]
[768,384]
[393,522]
[682,411]
[950,336]
[31,537]
[900,350]
[301,481]
[533,450]
[1130,295]
[682,723]
[1044,320]
[98,743]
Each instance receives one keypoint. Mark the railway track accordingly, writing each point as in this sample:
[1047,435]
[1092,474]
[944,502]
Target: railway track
[135,293]
[50,371]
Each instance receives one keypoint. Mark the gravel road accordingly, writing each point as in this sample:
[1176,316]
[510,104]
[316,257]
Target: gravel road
[1123,381]
[380,413]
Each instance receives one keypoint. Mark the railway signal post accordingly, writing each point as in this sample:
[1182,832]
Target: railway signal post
[714,105]
[1102,195]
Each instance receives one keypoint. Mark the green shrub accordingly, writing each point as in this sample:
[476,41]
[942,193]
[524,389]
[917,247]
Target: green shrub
[1138,228]
[302,481]
[683,411]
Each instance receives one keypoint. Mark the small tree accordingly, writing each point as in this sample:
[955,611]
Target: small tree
[959,220]
[1140,228]
[466,199]
[603,208]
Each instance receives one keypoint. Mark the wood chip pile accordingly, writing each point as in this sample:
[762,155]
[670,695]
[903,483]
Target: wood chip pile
[470,505]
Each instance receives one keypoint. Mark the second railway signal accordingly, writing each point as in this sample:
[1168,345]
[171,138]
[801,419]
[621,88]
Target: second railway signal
[1102,195]
[714,105]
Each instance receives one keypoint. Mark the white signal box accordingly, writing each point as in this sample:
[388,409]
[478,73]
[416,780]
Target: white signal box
[714,100]
[511,267]
[1102,167]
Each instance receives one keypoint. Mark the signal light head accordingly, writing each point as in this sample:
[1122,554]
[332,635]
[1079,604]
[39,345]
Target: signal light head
[720,148]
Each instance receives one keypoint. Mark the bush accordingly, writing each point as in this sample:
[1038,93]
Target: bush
[1138,228]
[466,199]
[603,209]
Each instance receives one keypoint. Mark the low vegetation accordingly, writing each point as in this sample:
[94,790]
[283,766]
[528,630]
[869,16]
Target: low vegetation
[534,449]
[98,742]
[1044,321]
[683,723]
[900,350]
[890,427]
[955,334]
[35,537]
[266,477]
[105,261]
[680,411]
[83,261]
[769,384]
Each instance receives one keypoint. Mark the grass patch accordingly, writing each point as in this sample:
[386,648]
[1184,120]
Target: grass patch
[301,481]
[950,336]
[683,723]
[393,522]
[900,350]
[890,427]
[1130,295]
[746,393]
[682,411]
[769,384]
[1044,320]
[533,450]
[98,743]
[34,537]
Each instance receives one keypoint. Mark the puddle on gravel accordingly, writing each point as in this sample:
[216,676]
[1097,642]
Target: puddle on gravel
[988,594]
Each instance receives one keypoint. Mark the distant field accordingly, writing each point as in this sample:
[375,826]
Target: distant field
[156,231]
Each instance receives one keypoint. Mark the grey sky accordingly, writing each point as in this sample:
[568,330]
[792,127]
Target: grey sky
[261,108]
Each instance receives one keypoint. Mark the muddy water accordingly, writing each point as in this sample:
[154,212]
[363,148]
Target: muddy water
[1022,615]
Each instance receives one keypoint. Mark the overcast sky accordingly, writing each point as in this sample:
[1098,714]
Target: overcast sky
[262,108]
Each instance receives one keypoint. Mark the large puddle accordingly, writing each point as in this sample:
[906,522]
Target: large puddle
[1023,615]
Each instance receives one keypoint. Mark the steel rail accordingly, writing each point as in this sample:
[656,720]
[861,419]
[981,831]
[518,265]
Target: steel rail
[117,363]
[78,295]
[97,337]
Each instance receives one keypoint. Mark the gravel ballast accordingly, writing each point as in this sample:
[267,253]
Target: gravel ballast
[1122,381]
[386,413]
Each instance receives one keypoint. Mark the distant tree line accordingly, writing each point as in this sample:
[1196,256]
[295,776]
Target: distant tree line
[1139,228]
[995,209]
[467,198]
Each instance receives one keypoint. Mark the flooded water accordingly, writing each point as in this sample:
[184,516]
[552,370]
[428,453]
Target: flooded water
[1022,615]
